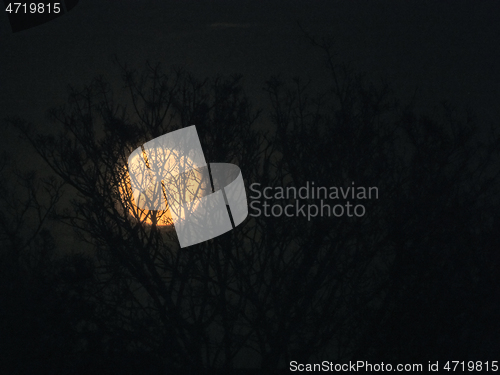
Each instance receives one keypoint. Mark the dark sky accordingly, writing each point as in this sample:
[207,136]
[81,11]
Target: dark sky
[447,49]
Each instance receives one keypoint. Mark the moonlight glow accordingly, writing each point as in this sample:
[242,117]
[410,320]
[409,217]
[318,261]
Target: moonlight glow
[183,192]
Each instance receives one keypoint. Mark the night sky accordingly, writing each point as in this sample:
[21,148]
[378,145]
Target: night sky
[437,50]
[446,50]
[431,51]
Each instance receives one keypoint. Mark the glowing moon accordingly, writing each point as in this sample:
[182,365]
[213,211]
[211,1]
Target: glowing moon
[186,191]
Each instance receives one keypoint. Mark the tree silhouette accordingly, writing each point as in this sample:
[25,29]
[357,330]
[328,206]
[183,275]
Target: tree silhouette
[411,280]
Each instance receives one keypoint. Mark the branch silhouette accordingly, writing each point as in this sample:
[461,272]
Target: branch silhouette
[413,279]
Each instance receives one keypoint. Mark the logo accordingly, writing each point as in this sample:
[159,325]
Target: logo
[170,172]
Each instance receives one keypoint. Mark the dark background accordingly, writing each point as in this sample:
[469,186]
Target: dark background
[427,50]
[448,50]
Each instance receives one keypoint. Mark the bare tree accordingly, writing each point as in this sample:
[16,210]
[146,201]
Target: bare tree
[277,289]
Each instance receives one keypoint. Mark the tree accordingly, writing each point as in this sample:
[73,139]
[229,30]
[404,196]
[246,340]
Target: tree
[395,283]
[43,315]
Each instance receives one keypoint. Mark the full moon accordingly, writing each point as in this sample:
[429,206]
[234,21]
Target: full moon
[186,191]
